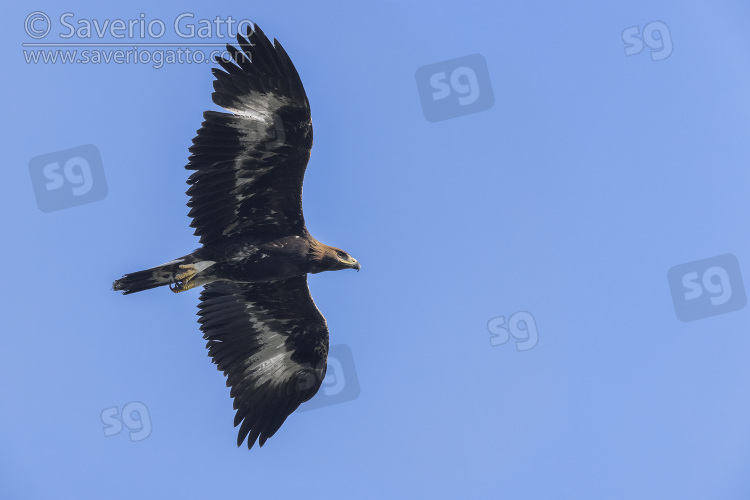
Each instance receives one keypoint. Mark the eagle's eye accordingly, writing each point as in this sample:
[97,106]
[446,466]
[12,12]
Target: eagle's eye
[342,255]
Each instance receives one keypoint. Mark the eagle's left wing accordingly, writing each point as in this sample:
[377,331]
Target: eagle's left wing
[271,342]
[249,164]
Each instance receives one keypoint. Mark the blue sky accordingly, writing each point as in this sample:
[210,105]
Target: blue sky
[560,204]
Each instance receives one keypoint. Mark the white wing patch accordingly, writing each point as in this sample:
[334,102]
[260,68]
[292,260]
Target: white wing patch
[274,358]
[261,123]
[260,106]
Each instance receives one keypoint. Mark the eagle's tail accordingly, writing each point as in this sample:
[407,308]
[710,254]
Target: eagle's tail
[165,274]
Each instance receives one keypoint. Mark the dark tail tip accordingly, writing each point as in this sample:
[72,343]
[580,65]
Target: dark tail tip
[137,282]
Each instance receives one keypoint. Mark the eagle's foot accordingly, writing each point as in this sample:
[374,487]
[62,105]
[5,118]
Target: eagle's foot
[190,272]
[183,281]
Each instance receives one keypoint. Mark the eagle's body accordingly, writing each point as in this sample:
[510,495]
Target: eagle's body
[260,259]
[263,328]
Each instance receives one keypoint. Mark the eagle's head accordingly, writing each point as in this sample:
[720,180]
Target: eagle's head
[327,258]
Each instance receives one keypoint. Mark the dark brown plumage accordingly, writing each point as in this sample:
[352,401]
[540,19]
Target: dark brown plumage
[263,328]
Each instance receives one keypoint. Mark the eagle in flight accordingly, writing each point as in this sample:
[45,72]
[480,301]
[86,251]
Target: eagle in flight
[263,328]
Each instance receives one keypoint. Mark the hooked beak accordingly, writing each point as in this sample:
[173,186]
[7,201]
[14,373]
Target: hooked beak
[355,265]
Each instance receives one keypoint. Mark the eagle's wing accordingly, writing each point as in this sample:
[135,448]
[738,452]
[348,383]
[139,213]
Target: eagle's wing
[271,342]
[249,164]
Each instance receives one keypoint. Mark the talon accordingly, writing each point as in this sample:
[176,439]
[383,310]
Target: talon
[189,274]
[181,286]
[183,281]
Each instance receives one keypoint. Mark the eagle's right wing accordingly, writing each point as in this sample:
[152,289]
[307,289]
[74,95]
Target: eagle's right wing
[271,342]
[249,164]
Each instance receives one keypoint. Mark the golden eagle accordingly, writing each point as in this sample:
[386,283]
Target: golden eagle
[263,328]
